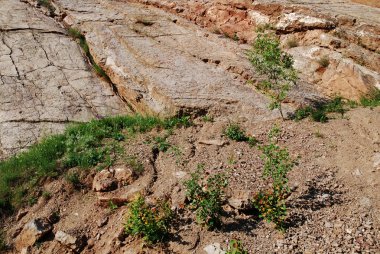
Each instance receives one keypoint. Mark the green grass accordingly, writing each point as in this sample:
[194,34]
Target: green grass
[371,100]
[76,34]
[81,145]
[319,112]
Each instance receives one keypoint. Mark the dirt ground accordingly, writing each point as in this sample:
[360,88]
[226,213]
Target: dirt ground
[373,3]
[333,208]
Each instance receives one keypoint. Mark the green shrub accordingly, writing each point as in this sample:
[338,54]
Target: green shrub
[277,164]
[235,132]
[150,222]
[206,197]
[268,59]
[73,179]
[236,247]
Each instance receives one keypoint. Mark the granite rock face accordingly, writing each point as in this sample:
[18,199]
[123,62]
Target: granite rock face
[45,81]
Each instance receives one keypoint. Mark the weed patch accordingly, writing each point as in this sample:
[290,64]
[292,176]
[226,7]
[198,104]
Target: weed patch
[319,113]
[82,145]
[205,197]
[147,221]
[236,247]
[372,99]
[235,132]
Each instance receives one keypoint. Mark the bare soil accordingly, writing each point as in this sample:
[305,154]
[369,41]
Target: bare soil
[373,3]
[333,207]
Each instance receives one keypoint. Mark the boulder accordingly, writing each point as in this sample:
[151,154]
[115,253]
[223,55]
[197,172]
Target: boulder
[104,181]
[32,232]
[295,22]
[73,242]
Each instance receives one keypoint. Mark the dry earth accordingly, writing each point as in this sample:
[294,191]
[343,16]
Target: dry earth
[168,57]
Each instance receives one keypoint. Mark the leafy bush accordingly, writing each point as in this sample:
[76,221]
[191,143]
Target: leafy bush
[236,247]
[150,222]
[206,197]
[277,163]
[268,59]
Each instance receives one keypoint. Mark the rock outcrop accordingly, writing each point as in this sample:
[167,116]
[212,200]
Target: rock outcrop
[45,82]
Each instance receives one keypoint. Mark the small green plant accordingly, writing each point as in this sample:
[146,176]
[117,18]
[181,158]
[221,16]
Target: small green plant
[291,43]
[76,34]
[46,195]
[48,5]
[235,37]
[205,197]
[236,247]
[235,132]
[324,61]
[268,59]
[147,221]
[207,118]
[277,163]
[320,112]
[161,144]
[372,99]
[112,206]
[135,164]
[73,179]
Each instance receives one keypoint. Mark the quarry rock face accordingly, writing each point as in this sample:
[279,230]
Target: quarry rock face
[45,82]
[162,61]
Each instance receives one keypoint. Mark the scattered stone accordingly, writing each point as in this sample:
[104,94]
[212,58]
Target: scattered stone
[104,181]
[215,142]
[21,214]
[214,249]
[123,175]
[102,222]
[73,242]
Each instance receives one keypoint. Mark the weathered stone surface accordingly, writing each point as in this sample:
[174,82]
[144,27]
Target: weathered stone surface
[165,67]
[45,81]
[32,232]
[73,242]
[214,249]
[291,22]
[104,181]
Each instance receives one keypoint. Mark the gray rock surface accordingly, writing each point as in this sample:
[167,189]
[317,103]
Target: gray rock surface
[45,82]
